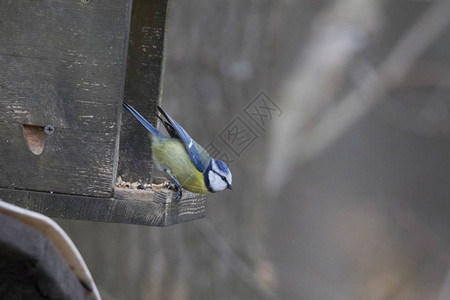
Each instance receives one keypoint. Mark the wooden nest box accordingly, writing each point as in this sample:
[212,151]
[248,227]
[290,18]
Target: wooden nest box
[65,68]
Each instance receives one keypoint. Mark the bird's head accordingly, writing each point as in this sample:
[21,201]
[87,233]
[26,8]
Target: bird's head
[217,176]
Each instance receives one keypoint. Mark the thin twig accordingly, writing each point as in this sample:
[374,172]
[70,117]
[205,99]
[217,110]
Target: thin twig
[372,88]
[305,132]
[232,260]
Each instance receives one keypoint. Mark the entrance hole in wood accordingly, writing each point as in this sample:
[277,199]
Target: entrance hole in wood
[35,137]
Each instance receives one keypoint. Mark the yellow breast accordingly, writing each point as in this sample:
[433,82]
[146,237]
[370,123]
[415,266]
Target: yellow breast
[171,154]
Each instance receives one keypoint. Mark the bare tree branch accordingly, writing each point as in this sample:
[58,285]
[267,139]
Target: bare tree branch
[232,260]
[311,137]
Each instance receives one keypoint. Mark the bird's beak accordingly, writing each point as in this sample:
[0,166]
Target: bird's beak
[230,186]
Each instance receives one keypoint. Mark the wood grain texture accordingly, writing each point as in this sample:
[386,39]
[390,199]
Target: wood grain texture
[62,63]
[142,87]
[31,267]
[73,162]
[153,209]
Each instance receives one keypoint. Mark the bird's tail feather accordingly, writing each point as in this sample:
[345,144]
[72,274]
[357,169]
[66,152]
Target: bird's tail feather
[143,121]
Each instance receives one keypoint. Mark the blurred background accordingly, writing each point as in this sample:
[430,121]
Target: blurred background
[335,119]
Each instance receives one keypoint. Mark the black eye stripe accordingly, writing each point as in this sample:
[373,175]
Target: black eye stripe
[223,177]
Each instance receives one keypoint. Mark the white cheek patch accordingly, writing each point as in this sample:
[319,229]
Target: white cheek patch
[216,183]
[221,172]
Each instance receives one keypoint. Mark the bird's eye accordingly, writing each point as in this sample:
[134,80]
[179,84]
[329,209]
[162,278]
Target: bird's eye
[223,178]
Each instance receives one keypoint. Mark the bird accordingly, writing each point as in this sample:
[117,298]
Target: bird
[187,164]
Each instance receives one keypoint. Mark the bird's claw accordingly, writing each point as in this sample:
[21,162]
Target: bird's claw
[175,187]
[179,194]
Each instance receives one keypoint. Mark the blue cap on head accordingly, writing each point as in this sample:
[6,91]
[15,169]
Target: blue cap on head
[222,166]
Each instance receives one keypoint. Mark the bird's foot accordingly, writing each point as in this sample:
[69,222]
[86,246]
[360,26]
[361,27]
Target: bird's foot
[172,185]
[179,194]
[175,185]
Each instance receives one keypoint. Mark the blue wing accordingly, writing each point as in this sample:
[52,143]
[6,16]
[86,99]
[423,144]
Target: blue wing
[200,158]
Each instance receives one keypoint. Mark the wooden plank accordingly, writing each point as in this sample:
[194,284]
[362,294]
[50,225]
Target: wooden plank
[41,92]
[62,62]
[150,208]
[31,267]
[73,161]
[142,86]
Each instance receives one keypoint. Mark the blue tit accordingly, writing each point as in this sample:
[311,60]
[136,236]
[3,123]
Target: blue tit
[186,162]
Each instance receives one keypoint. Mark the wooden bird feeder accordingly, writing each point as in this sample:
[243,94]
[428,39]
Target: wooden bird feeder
[65,68]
